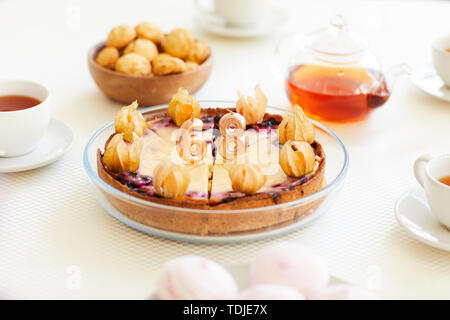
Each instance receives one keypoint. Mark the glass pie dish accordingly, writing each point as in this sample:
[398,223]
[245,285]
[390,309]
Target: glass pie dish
[271,220]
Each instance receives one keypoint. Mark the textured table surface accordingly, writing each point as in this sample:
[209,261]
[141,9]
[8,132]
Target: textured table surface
[57,242]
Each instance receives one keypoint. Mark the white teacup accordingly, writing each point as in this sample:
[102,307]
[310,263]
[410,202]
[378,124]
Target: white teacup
[21,130]
[428,170]
[441,58]
[240,13]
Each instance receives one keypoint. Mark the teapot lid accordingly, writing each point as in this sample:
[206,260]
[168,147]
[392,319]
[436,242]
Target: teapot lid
[337,40]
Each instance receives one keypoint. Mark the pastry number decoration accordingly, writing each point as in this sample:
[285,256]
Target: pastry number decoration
[191,146]
[232,143]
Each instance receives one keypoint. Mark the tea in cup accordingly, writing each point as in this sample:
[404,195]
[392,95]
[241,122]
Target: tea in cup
[433,174]
[24,116]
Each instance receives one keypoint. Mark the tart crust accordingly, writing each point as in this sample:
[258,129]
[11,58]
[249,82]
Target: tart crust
[215,223]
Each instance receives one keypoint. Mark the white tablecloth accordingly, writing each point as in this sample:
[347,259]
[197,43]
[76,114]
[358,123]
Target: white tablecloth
[57,242]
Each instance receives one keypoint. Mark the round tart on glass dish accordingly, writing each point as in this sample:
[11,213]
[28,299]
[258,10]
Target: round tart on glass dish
[213,159]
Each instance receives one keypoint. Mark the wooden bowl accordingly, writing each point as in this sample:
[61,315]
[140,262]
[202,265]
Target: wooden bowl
[147,90]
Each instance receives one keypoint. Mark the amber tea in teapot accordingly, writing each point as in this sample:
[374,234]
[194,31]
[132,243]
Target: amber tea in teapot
[336,93]
[332,74]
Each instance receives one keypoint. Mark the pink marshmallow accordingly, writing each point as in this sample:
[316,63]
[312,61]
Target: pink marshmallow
[270,292]
[193,278]
[292,265]
[343,292]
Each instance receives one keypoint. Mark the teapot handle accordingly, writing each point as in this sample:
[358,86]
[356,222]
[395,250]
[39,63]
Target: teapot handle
[395,71]
[285,48]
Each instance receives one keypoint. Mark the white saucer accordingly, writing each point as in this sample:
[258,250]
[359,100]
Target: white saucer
[425,78]
[413,214]
[54,144]
[272,23]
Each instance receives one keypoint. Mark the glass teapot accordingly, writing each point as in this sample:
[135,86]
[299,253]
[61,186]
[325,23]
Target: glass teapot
[332,75]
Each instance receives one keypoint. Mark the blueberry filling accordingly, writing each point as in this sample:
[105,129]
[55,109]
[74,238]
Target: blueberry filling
[136,182]
[269,123]
[208,123]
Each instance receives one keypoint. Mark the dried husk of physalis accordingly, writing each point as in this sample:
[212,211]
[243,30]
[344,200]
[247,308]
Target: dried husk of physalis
[246,178]
[297,127]
[129,121]
[170,180]
[183,106]
[123,156]
[252,108]
[297,158]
